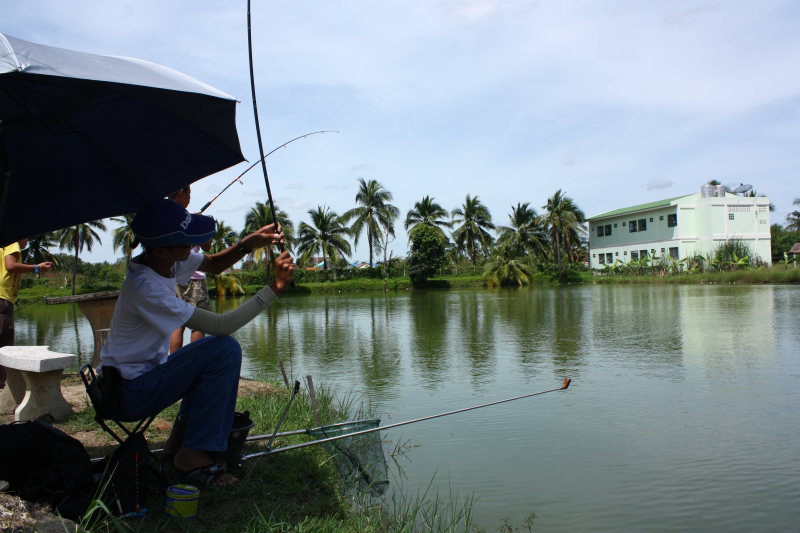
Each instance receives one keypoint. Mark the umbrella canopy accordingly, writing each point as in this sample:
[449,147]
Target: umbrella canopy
[85,137]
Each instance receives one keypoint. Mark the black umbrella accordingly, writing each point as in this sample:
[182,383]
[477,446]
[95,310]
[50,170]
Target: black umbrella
[85,137]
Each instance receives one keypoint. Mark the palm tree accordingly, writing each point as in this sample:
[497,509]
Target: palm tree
[526,234]
[261,215]
[471,236]
[326,235]
[505,267]
[38,248]
[124,237]
[77,238]
[565,225]
[224,237]
[427,212]
[792,219]
[375,214]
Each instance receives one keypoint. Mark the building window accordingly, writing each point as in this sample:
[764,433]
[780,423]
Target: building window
[623,224]
[651,219]
[662,250]
[609,258]
[673,252]
[602,259]
[731,216]
[603,230]
[634,255]
[661,217]
[616,253]
[625,252]
[642,253]
[653,252]
[632,226]
[615,224]
[642,224]
[672,220]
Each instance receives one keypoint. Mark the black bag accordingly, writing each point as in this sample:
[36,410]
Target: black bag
[126,476]
[45,465]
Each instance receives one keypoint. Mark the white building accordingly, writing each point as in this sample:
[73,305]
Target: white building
[681,227]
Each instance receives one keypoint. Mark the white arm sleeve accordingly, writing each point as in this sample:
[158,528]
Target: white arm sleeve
[225,324]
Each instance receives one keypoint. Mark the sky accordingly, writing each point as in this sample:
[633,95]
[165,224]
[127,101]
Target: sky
[616,103]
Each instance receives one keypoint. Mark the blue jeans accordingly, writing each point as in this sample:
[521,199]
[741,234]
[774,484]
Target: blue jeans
[205,374]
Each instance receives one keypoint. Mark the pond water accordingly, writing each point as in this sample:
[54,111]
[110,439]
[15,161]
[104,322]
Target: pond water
[683,413]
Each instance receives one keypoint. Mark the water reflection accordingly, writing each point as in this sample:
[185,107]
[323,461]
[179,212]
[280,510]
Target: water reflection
[640,326]
[376,344]
[428,336]
[567,322]
[477,318]
[61,327]
[718,323]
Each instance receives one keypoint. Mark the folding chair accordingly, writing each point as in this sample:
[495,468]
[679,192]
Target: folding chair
[127,483]
[101,410]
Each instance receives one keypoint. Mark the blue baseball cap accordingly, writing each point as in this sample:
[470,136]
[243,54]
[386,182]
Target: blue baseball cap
[165,222]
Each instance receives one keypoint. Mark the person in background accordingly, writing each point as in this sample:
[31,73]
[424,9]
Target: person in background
[11,266]
[195,291]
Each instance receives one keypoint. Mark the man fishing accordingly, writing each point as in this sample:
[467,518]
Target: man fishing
[141,378]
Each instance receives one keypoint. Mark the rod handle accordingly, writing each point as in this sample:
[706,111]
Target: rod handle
[567,381]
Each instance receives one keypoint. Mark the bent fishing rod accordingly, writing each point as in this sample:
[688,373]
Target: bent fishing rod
[563,386]
[251,167]
[263,159]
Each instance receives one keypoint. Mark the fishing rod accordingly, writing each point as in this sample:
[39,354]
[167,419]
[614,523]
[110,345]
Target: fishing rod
[251,167]
[563,386]
[255,116]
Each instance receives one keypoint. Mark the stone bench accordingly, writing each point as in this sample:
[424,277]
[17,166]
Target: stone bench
[33,383]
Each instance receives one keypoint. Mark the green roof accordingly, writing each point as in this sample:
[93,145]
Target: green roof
[640,207]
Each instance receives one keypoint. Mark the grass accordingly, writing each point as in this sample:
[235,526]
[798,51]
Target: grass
[377,285]
[778,274]
[293,492]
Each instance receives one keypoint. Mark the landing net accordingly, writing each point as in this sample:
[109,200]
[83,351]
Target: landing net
[360,459]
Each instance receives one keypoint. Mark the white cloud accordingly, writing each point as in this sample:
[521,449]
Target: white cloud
[658,184]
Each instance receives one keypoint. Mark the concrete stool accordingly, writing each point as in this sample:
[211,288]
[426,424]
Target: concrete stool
[33,384]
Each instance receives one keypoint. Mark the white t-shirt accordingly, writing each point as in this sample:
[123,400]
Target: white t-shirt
[147,313]
[198,274]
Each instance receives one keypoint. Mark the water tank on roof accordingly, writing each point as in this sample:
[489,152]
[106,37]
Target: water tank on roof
[719,190]
[707,191]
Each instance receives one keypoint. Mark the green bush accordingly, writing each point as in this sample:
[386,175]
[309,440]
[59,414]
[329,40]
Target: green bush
[427,255]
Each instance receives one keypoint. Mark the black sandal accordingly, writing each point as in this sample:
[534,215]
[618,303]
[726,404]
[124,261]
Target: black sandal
[206,477]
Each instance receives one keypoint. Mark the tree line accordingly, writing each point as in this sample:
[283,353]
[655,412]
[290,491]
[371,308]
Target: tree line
[466,237]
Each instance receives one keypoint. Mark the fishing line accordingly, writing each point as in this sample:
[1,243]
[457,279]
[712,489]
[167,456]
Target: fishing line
[251,167]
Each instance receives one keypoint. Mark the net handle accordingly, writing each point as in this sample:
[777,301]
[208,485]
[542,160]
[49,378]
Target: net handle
[564,386]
